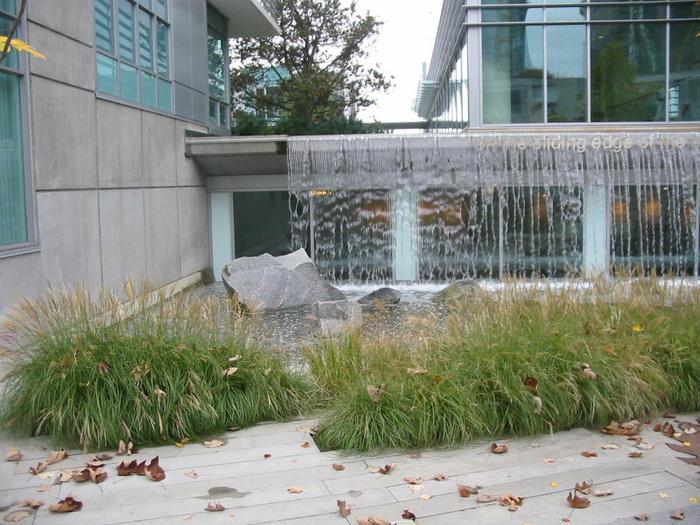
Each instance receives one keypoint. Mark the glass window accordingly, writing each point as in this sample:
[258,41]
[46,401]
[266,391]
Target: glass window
[513,80]
[12,59]
[162,8]
[632,12]
[684,83]
[13,216]
[213,112]
[165,95]
[465,87]
[8,6]
[104,25]
[126,30]
[512,14]
[163,49]
[628,63]
[685,10]
[148,90]
[128,82]
[261,223]
[106,75]
[217,64]
[145,40]
[566,74]
[566,14]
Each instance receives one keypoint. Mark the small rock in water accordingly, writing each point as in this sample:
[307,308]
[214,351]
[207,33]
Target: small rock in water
[383,295]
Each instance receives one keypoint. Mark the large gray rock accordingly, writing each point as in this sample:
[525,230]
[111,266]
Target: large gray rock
[383,295]
[458,292]
[333,317]
[271,283]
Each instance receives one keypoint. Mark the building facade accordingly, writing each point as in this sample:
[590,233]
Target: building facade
[95,185]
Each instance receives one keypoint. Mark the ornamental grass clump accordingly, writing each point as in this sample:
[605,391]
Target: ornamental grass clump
[517,362]
[91,372]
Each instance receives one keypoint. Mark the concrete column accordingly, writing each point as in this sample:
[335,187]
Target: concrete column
[596,228]
[221,231]
[405,221]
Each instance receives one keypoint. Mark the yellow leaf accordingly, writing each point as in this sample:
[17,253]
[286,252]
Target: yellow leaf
[554,484]
[694,500]
[637,328]
[21,45]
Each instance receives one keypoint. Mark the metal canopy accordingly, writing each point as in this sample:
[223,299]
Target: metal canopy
[247,18]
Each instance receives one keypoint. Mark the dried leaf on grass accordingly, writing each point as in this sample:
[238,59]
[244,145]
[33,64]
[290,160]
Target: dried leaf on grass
[17,515]
[214,507]
[375,392]
[416,371]
[499,448]
[68,504]
[532,384]
[14,455]
[230,371]
[343,508]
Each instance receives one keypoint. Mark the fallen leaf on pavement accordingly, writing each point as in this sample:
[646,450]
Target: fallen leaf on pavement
[267,456]
[630,428]
[549,460]
[644,446]
[214,507]
[95,474]
[66,475]
[44,488]
[102,456]
[510,502]
[343,508]
[192,474]
[182,442]
[439,477]
[611,446]
[465,490]
[41,467]
[17,516]
[56,456]
[338,467]
[425,497]
[14,455]
[386,468]
[664,495]
[413,481]
[584,487]
[499,449]
[694,500]
[602,493]
[678,515]
[295,490]
[408,515]
[577,502]
[642,517]
[635,455]
[589,453]
[68,504]
[372,520]
[554,485]
[125,450]
[305,444]
[214,443]
[486,498]
[154,471]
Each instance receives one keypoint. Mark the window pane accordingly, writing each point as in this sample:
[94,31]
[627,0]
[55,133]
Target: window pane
[8,6]
[11,60]
[633,12]
[685,11]
[684,88]
[145,40]
[126,30]
[106,75]
[223,116]
[566,14]
[261,223]
[217,65]
[104,25]
[13,218]
[513,74]
[128,82]
[146,3]
[162,8]
[628,63]
[566,73]
[163,49]
[512,14]
[165,95]
[213,112]
[148,90]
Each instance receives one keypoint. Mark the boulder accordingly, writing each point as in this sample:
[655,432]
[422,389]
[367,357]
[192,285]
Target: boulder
[383,295]
[333,317]
[272,283]
[458,292]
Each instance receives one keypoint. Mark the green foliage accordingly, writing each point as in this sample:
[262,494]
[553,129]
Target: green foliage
[317,68]
[247,124]
[84,376]
[646,356]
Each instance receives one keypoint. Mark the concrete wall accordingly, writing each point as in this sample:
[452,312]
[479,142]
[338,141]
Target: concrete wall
[115,195]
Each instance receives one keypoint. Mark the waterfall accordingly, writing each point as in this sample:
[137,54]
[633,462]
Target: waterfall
[486,204]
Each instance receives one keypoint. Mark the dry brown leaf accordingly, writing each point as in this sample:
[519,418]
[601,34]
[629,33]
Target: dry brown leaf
[635,455]
[425,497]
[230,371]
[644,446]
[486,498]
[630,428]
[17,516]
[465,490]
[374,392]
[413,481]
[642,517]
[408,515]
[343,508]
[584,487]
[214,443]
[267,455]
[510,502]
[374,520]
[589,374]
[679,515]
[214,507]
[538,404]
[68,504]
[154,471]
[102,456]
[532,384]
[386,468]
[611,446]
[439,477]
[549,460]
[14,455]
[589,453]
[44,488]
[56,456]
[338,467]
[125,449]
[66,475]
[192,474]
[416,371]
[41,467]
[305,444]
[94,474]
[499,449]
[603,493]
[295,490]
[578,502]
[95,464]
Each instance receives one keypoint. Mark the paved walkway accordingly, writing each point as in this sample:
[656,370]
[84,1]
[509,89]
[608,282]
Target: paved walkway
[254,488]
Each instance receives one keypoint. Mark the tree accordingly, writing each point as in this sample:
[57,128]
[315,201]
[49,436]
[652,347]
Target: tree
[318,63]
[9,42]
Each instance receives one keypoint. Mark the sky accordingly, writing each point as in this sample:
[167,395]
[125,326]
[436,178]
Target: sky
[405,41]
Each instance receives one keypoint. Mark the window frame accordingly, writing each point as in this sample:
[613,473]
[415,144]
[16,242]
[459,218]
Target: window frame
[22,72]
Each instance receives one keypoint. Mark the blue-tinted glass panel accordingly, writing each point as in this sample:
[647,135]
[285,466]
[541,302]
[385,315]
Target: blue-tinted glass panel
[162,8]
[146,3]
[8,6]
[165,95]
[684,82]
[213,112]
[148,90]
[13,217]
[12,60]
[685,10]
[513,77]
[632,12]
[106,75]
[566,14]
[104,25]
[145,40]
[223,116]
[163,49]
[628,72]
[566,73]
[126,31]
[512,14]
[217,64]
[490,2]
[128,82]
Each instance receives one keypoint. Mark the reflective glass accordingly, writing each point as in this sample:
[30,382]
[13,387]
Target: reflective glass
[261,223]
[213,112]
[106,75]
[165,95]
[163,49]
[13,218]
[513,79]
[148,90]
[126,30]
[145,40]
[465,87]
[8,6]
[104,25]
[566,73]
[566,14]
[217,64]
[12,59]
[685,10]
[128,82]
[628,64]
[223,116]
[512,14]
[632,12]
[684,82]
[162,8]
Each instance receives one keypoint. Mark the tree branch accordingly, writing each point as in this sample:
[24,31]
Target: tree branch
[15,24]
